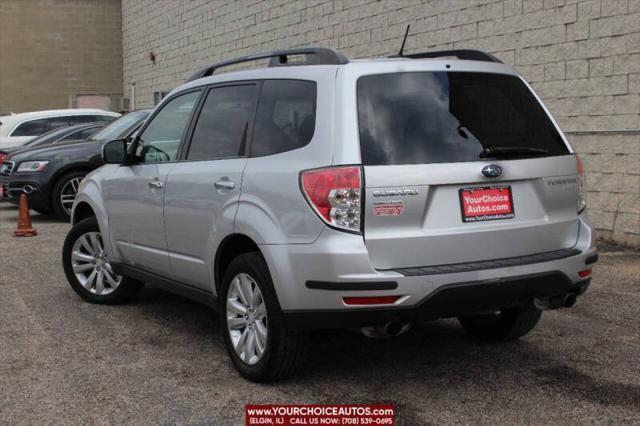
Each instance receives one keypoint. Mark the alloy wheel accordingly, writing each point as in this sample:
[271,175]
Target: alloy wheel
[91,266]
[69,193]
[247,318]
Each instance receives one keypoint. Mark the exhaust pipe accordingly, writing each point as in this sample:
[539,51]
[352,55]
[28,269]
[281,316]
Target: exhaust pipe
[28,189]
[570,300]
[391,329]
[562,301]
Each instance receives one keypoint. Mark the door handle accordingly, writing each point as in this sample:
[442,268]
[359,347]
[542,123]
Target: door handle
[156,184]
[225,184]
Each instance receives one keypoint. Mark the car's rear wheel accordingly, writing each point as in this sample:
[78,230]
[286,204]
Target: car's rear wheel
[260,344]
[65,192]
[502,325]
[88,269]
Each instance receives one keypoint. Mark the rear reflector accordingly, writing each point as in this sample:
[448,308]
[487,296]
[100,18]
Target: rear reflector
[374,300]
[585,273]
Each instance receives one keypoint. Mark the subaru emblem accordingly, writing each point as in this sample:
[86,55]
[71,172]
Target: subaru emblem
[492,170]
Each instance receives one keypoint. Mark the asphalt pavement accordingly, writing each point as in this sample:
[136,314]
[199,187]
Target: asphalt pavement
[162,359]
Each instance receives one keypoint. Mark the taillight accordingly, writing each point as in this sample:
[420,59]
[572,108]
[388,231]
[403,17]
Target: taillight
[335,194]
[3,155]
[582,192]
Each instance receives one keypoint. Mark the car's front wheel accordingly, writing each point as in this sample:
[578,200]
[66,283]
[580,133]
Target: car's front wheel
[43,212]
[259,342]
[65,192]
[502,325]
[88,269]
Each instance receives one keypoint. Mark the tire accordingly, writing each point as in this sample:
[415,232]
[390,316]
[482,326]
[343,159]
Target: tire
[77,250]
[44,212]
[508,324]
[284,349]
[67,183]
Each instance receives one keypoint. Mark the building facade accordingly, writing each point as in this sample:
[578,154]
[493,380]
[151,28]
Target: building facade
[581,56]
[60,54]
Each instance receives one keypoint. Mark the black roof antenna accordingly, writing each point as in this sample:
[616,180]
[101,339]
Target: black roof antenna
[404,40]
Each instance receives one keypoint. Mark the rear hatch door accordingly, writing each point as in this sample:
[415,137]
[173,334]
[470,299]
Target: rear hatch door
[461,167]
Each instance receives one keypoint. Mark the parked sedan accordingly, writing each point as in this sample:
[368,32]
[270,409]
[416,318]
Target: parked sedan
[50,174]
[76,132]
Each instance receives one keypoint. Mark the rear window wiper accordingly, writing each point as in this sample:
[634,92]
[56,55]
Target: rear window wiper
[507,151]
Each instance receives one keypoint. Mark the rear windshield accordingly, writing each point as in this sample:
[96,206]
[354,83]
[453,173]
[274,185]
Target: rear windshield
[445,117]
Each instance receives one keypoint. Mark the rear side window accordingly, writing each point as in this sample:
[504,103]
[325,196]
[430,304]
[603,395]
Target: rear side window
[80,119]
[441,117]
[222,126]
[84,134]
[286,116]
[101,118]
[58,122]
[31,128]
[79,135]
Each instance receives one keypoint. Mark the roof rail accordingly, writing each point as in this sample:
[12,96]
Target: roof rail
[314,56]
[465,54]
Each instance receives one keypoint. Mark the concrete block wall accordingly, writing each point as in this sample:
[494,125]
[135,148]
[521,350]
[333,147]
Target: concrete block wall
[581,56]
[53,50]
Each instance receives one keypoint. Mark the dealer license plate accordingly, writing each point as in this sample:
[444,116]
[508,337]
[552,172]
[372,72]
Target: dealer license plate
[486,203]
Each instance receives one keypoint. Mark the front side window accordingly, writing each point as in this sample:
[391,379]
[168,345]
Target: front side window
[445,117]
[286,116]
[223,123]
[31,128]
[160,140]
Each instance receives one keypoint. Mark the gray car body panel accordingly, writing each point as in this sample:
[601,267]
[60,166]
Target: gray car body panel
[190,191]
[176,232]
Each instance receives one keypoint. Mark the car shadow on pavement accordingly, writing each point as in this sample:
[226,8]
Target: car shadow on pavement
[430,356]
[45,218]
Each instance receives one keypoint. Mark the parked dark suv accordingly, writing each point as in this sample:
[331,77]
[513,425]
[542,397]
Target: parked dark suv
[50,175]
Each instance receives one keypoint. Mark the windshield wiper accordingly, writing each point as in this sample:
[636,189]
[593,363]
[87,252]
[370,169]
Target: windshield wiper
[507,151]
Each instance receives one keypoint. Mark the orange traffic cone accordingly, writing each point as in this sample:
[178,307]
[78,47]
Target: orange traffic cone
[24,228]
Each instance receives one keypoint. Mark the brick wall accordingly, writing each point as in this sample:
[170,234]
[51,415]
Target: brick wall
[582,57]
[53,50]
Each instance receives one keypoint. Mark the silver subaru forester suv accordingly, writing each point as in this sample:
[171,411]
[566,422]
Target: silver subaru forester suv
[323,193]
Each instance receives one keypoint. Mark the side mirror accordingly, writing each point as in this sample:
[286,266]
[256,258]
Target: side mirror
[115,151]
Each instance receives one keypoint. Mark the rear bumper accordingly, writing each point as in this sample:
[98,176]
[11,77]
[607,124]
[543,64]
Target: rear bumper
[311,280]
[451,300]
[11,190]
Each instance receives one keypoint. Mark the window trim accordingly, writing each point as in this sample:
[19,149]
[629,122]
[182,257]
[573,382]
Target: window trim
[131,160]
[315,112]
[184,151]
